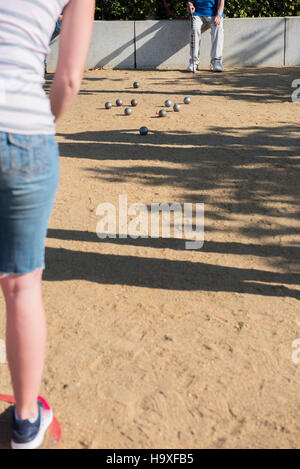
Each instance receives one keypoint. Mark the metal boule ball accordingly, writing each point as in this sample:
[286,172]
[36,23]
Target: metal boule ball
[143,130]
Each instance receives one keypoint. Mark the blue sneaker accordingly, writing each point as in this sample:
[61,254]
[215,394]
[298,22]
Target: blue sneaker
[27,435]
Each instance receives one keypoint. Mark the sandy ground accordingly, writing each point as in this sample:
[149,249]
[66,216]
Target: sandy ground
[152,345]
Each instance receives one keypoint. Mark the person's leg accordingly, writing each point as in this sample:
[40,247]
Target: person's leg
[29,174]
[25,338]
[217,41]
[196,25]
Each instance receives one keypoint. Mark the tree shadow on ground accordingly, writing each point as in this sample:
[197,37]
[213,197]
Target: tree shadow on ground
[255,171]
[256,85]
[283,256]
[240,249]
[251,84]
[65,264]
[256,167]
[247,177]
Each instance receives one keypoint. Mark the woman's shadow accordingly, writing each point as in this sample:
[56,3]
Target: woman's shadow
[5,428]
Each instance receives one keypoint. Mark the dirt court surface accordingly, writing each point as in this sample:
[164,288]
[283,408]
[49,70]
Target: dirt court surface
[151,345]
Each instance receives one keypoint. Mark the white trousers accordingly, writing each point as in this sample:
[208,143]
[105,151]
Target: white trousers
[200,24]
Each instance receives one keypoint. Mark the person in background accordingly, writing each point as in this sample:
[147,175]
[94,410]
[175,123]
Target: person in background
[57,27]
[29,175]
[56,33]
[206,14]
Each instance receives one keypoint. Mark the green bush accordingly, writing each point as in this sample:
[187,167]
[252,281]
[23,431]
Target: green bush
[154,9]
[248,8]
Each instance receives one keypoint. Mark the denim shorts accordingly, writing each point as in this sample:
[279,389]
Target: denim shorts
[29,175]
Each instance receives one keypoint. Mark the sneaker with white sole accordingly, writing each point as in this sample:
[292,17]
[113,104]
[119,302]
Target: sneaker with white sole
[217,66]
[192,67]
[28,435]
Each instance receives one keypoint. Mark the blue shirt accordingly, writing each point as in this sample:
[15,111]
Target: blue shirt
[206,7]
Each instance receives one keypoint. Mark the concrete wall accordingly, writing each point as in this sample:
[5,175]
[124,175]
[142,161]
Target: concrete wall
[292,49]
[254,42]
[162,44]
[112,46]
[165,44]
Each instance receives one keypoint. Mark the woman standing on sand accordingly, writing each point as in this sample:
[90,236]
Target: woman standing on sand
[29,173]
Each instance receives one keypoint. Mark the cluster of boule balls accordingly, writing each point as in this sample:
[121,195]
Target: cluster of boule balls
[119,102]
[134,102]
[176,107]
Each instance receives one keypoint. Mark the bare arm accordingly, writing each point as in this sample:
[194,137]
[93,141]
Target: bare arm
[190,7]
[218,18]
[221,7]
[74,42]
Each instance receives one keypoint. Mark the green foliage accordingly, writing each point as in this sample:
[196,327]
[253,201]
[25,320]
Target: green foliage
[154,9]
[248,8]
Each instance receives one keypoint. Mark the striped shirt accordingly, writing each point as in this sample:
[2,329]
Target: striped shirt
[26,27]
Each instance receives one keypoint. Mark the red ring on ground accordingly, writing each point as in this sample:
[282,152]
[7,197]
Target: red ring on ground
[55,433]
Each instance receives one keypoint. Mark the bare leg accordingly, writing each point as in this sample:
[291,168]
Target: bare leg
[25,338]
